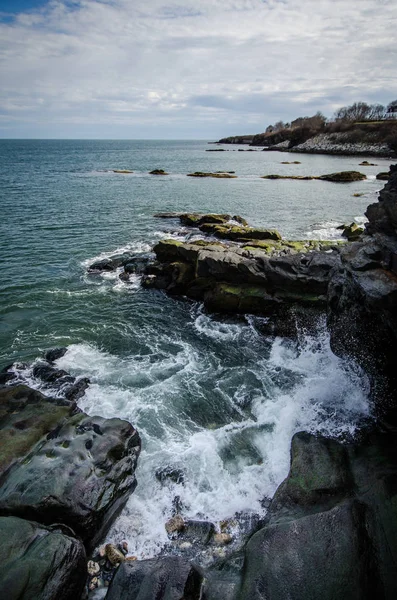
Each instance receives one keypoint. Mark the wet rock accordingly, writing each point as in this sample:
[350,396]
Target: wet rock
[167,215]
[165,578]
[158,172]
[170,474]
[175,525]
[197,532]
[106,264]
[79,470]
[124,277]
[72,389]
[39,563]
[55,353]
[122,171]
[365,163]
[113,554]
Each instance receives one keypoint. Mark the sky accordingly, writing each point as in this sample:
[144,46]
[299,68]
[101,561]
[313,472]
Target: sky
[173,69]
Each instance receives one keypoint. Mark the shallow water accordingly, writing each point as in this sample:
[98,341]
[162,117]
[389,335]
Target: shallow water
[210,396]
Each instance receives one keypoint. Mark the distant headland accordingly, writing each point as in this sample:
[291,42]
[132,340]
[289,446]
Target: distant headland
[367,129]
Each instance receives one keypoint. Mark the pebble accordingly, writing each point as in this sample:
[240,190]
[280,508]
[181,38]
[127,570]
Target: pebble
[221,539]
[130,558]
[93,568]
[185,545]
[93,584]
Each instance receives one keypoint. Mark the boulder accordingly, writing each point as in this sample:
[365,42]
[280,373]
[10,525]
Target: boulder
[384,176]
[323,555]
[40,563]
[62,466]
[331,527]
[164,578]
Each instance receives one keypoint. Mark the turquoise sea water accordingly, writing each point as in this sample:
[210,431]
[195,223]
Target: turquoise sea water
[211,396]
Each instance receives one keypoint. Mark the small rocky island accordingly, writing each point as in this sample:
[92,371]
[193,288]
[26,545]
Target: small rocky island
[331,528]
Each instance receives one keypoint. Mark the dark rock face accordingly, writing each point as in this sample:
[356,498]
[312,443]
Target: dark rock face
[39,563]
[331,525]
[168,578]
[61,466]
[363,298]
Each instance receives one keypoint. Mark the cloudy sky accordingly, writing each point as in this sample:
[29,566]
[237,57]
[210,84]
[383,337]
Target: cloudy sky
[188,69]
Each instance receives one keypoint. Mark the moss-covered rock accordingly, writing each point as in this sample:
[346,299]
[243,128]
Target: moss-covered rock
[384,176]
[352,232]
[343,176]
[196,219]
[240,233]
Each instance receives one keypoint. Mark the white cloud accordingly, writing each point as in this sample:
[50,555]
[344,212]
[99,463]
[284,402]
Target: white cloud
[173,69]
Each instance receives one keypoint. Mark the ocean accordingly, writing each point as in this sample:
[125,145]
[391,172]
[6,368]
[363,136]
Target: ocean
[212,397]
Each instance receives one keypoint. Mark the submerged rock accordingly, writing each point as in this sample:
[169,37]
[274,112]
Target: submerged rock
[59,465]
[39,563]
[341,177]
[216,175]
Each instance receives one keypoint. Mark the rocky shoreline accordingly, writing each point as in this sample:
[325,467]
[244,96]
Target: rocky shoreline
[330,529]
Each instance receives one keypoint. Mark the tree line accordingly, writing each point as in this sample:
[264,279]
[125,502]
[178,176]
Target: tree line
[359,111]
